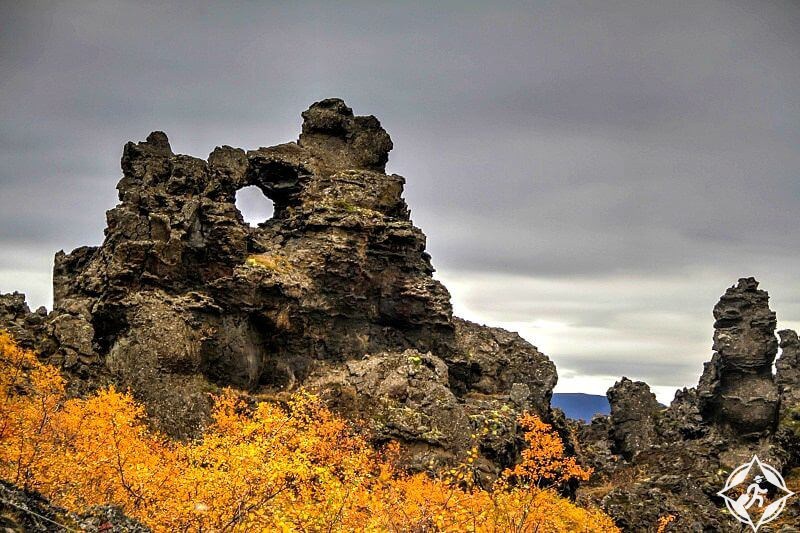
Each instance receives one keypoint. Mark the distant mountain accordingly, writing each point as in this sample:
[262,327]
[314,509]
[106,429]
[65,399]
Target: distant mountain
[581,406]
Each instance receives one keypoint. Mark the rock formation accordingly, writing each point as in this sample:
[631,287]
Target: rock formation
[16,318]
[335,292]
[672,461]
[633,413]
[737,388]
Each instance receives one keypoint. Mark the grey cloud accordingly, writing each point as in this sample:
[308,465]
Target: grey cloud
[656,326]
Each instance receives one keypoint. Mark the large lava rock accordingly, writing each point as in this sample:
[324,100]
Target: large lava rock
[672,461]
[737,388]
[633,412]
[183,296]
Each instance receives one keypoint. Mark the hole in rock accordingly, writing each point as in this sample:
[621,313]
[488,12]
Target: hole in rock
[253,205]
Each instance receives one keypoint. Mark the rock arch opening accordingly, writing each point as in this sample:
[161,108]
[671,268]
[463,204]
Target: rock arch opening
[254,206]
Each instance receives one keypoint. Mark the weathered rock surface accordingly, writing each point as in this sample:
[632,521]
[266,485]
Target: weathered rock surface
[633,414]
[737,388]
[787,377]
[23,511]
[183,296]
[17,318]
[653,461]
[405,396]
[787,367]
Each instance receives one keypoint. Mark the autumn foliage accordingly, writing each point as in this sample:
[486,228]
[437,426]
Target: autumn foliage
[296,467]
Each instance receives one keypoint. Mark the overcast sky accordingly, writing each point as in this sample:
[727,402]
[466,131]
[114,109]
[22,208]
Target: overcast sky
[591,174]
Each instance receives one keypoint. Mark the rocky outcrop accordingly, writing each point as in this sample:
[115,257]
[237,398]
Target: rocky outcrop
[492,361]
[633,414]
[17,318]
[183,297]
[737,388]
[673,461]
[401,396]
[336,293]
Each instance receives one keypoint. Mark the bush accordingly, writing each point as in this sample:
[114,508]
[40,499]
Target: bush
[294,467]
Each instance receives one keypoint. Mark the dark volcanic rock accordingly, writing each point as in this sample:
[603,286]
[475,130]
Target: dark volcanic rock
[788,379]
[633,412]
[646,503]
[336,293]
[682,420]
[340,139]
[737,388]
[673,461]
[183,296]
[788,368]
[495,361]
[15,317]
[402,396]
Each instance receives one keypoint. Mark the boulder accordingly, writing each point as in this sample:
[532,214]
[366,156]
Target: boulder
[633,412]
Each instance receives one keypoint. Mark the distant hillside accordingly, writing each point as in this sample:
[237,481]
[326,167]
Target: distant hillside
[581,406]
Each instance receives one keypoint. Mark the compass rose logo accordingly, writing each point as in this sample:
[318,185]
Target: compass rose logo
[755,493]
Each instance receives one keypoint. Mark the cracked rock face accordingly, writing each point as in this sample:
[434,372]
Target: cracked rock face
[633,412]
[17,319]
[737,388]
[183,296]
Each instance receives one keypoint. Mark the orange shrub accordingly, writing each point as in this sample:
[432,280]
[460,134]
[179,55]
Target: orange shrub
[297,468]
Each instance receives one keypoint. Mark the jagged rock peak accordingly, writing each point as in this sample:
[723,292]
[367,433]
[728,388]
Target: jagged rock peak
[17,318]
[745,328]
[334,134]
[633,411]
[688,449]
[737,388]
[159,142]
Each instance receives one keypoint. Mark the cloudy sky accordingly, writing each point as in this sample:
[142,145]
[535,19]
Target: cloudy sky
[591,174]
